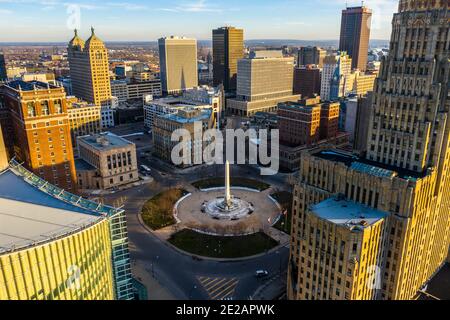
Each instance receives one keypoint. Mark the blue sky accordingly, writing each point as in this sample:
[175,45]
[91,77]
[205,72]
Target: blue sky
[139,20]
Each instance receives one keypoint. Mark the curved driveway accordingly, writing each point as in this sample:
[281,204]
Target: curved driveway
[178,272]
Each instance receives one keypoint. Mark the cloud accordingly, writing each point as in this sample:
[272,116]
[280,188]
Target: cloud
[5,11]
[127,6]
[194,7]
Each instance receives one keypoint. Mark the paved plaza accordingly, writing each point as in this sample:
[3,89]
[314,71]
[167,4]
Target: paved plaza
[265,212]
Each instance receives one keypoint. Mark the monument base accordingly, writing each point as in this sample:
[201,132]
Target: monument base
[235,209]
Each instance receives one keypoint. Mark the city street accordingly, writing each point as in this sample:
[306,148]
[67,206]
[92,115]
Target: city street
[184,276]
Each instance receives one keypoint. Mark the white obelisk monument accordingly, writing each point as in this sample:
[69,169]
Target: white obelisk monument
[227,184]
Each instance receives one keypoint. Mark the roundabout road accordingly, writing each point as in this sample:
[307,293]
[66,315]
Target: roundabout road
[183,276]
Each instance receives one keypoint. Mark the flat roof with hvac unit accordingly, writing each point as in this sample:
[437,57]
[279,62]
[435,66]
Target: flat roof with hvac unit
[105,141]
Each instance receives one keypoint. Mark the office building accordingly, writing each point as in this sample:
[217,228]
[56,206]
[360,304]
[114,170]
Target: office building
[119,89]
[139,90]
[89,70]
[348,115]
[178,64]
[363,82]
[58,246]
[125,90]
[228,49]
[84,119]
[307,81]
[106,161]
[311,55]
[264,80]
[329,120]
[41,131]
[3,75]
[355,35]
[200,98]
[307,122]
[185,118]
[337,80]
[362,122]
[393,200]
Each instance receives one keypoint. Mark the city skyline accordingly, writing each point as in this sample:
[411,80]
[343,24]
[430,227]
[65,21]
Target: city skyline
[142,21]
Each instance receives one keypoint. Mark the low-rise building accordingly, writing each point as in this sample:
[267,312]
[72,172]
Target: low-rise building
[185,118]
[306,124]
[106,161]
[199,98]
[84,118]
[124,90]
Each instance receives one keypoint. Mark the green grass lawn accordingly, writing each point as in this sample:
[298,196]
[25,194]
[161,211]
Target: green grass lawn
[235,182]
[157,212]
[222,247]
[284,198]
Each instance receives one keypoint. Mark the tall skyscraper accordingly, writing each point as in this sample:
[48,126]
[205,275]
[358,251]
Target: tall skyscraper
[311,55]
[89,70]
[3,75]
[377,226]
[264,80]
[41,131]
[355,35]
[178,64]
[228,48]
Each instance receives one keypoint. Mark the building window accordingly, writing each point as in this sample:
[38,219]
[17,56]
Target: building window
[45,110]
[58,107]
[31,109]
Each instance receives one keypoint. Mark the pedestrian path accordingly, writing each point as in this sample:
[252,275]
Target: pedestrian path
[219,288]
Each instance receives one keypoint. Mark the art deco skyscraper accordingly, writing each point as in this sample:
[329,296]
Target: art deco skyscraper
[377,226]
[89,70]
[355,34]
[178,64]
[228,48]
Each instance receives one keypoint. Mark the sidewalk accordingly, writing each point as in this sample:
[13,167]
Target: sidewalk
[155,290]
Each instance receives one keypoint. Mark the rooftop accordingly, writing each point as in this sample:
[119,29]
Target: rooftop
[29,85]
[34,211]
[177,102]
[82,165]
[204,114]
[347,213]
[266,54]
[370,167]
[105,141]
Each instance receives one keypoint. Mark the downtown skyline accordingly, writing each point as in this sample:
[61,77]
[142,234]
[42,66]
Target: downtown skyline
[140,20]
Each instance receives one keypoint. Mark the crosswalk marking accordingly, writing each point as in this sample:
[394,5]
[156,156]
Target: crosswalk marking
[219,288]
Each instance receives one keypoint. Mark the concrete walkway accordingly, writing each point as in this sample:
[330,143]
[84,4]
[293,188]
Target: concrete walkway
[155,290]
